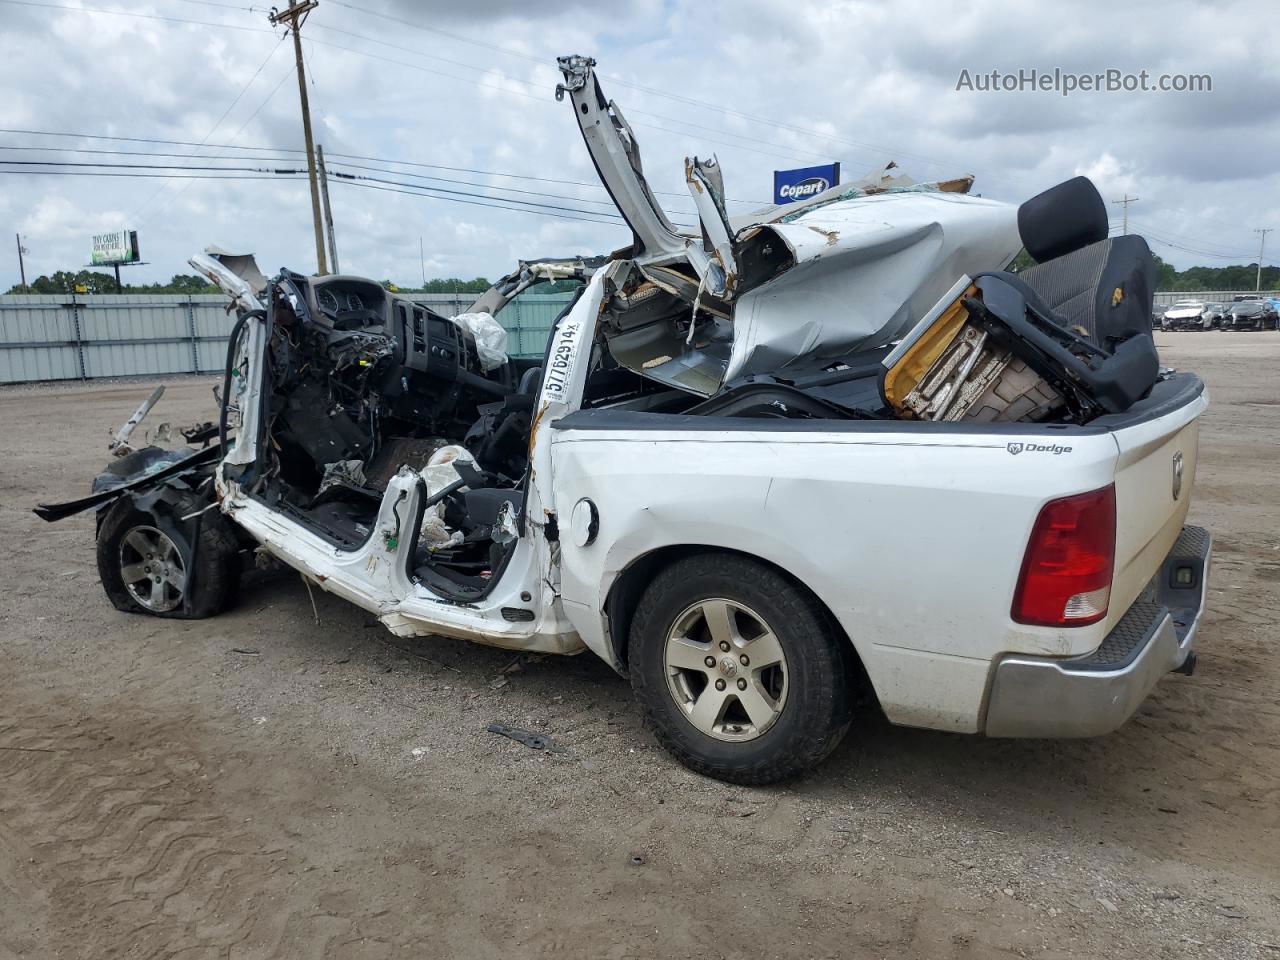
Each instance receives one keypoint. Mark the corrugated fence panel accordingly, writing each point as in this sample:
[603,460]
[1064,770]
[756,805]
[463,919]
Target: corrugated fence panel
[35,322]
[66,337]
[23,364]
[138,358]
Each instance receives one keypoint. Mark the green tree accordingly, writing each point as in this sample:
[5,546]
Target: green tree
[95,281]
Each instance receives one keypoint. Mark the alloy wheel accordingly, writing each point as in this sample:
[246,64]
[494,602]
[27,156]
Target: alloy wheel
[726,669]
[152,570]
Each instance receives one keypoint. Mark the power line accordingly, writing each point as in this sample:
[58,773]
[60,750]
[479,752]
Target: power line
[1236,258]
[831,138]
[249,173]
[474,203]
[142,176]
[171,143]
[130,13]
[336,168]
[701,128]
[297,179]
[343,156]
[878,149]
[776,153]
[1189,244]
[139,166]
[239,96]
[464,193]
[231,26]
[136,153]
[239,130]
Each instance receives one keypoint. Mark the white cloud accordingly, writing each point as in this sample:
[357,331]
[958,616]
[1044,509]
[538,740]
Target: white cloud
[861,82]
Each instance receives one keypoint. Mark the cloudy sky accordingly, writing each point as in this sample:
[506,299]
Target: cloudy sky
[465,90]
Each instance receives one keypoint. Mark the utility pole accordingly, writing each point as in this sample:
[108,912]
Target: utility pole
[1126,201]
[328,213]
[422,262]
[1262,245]
[294,17]
[22,267]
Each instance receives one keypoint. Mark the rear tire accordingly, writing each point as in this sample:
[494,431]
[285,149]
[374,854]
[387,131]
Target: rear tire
[783,668]
[151,561]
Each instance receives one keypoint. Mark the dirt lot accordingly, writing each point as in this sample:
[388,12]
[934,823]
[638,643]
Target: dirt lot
[259,786]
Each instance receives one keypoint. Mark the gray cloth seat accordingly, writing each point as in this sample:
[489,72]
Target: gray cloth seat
[1102,291]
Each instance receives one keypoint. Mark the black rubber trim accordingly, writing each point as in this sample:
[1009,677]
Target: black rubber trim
[1138,626]
[57,511]
[1166,397]
[1126,640]
[605,419]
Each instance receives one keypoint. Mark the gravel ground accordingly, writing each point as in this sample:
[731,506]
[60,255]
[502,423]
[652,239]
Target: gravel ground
[260,785]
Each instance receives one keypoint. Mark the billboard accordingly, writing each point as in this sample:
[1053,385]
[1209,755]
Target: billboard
[804,182]
[118,246]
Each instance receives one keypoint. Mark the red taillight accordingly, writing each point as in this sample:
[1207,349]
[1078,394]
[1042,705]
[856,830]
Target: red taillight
[1066,573]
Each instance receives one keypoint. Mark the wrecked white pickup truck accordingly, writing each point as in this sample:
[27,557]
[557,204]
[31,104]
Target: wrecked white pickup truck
[763,468]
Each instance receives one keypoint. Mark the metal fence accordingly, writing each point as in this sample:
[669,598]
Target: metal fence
[1213,296]
[82,337]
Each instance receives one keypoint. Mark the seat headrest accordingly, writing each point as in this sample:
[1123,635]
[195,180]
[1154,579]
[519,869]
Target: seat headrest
[1062,219]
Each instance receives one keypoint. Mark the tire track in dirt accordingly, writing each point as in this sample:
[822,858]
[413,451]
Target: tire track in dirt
[123,836]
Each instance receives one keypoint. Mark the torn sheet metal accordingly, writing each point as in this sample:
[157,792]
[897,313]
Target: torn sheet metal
[852,268]
[119,444]
[616,153]
[243,265]
[866,270]
[707,188]
[148,478]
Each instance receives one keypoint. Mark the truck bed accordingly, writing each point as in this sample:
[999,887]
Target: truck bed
[912,533]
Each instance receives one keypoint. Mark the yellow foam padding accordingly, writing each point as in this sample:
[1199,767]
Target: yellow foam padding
[903,376]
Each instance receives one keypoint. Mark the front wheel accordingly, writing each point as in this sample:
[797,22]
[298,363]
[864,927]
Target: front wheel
[153,561]
[740,673]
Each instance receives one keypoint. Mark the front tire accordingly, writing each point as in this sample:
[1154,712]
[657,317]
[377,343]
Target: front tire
[740,674]
[151,561]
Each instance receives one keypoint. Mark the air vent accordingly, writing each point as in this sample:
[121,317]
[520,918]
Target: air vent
[516,615]
[419,331]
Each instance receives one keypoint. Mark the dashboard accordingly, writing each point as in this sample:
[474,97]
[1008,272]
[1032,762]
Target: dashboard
[349,303]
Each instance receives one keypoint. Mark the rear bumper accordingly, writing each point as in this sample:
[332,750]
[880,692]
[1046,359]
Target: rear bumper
[1092,695]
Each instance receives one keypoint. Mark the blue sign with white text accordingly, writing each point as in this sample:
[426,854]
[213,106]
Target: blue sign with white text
[804,183]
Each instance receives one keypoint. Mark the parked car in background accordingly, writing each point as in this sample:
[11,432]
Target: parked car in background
[1184,315]
[1157,315]
[1213,314]
[1250,315]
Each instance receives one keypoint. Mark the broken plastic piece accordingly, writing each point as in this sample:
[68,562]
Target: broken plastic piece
[120,442]
[534,741]
[505,528]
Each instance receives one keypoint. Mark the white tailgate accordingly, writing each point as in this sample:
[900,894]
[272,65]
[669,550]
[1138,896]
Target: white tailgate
[1151,505]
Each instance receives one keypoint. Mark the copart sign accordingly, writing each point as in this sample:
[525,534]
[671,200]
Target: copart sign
[804,182]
